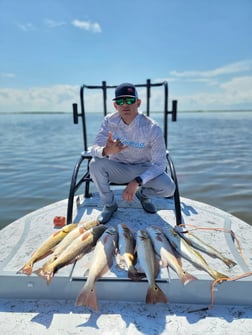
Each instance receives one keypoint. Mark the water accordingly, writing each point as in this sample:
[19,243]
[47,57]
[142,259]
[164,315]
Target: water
[211,151]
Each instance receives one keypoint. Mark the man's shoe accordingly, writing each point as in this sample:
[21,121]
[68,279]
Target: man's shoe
[107,213]
[145,202]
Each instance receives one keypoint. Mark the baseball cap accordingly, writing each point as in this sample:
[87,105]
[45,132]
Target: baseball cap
[125,90]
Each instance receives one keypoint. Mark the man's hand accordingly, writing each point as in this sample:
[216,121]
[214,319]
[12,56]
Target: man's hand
[130,191]
[112,146]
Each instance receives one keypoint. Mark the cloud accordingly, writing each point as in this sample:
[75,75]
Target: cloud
[228,69]
[238,83]
[7,75]
[54,24]
[93,27]
[26,26]
[231,87]
[51,98]
[58,98]
[238,89]
[234,93]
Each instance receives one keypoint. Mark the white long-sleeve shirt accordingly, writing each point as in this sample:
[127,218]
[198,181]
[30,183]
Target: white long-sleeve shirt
[144,140]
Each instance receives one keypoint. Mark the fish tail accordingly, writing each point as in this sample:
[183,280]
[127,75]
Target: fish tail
[187,278]
[47,275]
[26,269]
[88,298]
[229,262]
[155,295]
[134,275]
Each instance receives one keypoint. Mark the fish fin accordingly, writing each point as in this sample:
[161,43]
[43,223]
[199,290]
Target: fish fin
[134,275]
[26,269]
[186,278]
[139,268]
[229,262]
[88,298]
[45,274]
[155,295]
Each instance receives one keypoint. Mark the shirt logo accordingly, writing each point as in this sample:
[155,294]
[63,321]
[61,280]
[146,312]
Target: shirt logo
[124,141]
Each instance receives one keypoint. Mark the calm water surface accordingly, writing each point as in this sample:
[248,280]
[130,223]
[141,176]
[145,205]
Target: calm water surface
[211,151]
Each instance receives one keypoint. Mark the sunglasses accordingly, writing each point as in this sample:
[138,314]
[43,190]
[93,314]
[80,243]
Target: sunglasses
[129,101]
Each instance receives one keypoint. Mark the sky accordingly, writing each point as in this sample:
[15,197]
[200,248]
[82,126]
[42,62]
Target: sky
[49,48]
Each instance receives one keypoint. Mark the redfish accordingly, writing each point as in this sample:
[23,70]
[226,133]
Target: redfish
[79,246]
[79,230]
[46,248]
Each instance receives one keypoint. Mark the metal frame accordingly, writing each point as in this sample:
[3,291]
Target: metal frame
[86,156]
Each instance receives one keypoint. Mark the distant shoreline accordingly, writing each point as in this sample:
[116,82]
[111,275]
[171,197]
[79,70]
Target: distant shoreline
[35,112]
[186,111]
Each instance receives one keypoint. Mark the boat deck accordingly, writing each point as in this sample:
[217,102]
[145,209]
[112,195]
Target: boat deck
[61,317]
[31,298]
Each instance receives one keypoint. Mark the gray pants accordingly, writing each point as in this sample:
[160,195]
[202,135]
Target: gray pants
[104,171]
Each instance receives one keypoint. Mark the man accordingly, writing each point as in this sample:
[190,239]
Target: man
[129,149]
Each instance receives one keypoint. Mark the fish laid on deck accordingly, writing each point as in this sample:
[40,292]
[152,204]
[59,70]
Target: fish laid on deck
[46,248]
[185,250]
[149,264]
[163,248]
[79,230]
[126,251]
[199,244]
[79,246]
[101,262]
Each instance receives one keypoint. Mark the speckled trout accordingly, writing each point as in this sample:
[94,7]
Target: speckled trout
[46,248]
[164,250]
[101,262]
[79,246]
[150,266]
[126,251]
[185,250]
[197,243]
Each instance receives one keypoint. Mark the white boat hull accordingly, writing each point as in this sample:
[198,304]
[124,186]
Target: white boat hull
[26,234]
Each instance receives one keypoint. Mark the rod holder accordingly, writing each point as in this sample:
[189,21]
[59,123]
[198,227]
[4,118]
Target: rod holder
[75,113]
